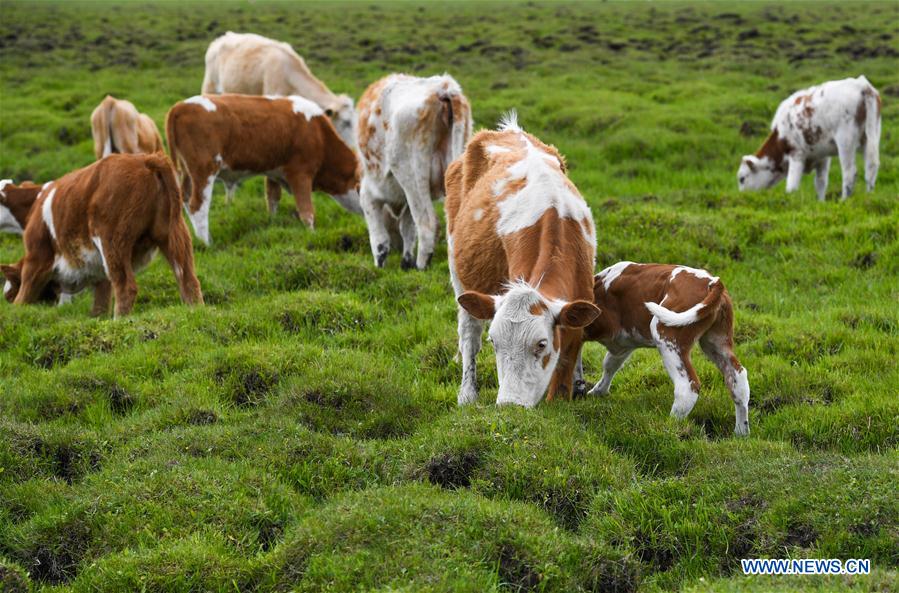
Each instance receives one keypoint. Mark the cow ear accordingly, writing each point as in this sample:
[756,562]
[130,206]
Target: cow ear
[480,306]
[577,314]
[10,272]
[749,163]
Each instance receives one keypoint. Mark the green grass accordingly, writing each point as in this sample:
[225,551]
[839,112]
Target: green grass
[300,432]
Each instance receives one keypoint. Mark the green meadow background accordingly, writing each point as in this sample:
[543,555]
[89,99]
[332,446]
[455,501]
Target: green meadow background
[300,432]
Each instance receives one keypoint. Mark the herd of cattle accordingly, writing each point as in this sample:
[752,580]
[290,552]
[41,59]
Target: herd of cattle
[521,239]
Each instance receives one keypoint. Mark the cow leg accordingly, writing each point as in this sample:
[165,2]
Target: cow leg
[102,296]
[230,189]
[580,386]
[680,368]
[272,195]
[794,174]
[408,234]
[35,275]
[372,209]
[418,197]
[719,349]
[610,365]
[822,169]
[470,330]
[846,147]
[201,179]
[121,275]
[301,187]
[178,251]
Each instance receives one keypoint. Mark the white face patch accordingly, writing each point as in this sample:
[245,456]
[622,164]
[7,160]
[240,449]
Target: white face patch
[611,273]
[349,201]
[7,286]
[545,187]
[8,222]
[305,106]
[202,101]
[760,176]
[47,212]
[200,218]
[3,184]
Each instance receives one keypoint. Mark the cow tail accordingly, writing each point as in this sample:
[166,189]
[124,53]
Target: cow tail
[458,119]
[872,133]
[101,129]
[698,312]
[162,169]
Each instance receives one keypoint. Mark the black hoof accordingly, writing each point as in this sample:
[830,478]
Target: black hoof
[580,388]
[383,250]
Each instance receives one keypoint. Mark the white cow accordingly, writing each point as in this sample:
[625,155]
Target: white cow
[410,129]
[812,125]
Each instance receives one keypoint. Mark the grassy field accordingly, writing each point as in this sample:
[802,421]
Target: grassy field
[301,432]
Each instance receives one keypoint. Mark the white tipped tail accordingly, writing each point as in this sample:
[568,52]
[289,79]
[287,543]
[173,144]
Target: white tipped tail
[509,121]
[698,311]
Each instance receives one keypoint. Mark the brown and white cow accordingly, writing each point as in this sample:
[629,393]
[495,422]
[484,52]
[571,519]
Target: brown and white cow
[669,308]
[410,129]
[521,252]
[118,127]
[16,202]
[287,139]
[251,64]
[812,125]
[98,225]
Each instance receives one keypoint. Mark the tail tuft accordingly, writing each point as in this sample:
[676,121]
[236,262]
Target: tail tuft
[509,122]
[695,313]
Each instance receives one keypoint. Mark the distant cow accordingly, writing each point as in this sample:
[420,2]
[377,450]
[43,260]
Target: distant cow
[410,129]
[835,118]
[289,140]
[97,226]
[118,127]
[521,254]
[251,64]
[15,205]
[668,308]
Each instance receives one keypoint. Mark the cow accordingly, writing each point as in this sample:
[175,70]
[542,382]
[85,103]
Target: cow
[118,127]
[812,125]
[410,129]
[97,226]
[522,247]
[287,139]
[16,202]
[669,308]
[250,64]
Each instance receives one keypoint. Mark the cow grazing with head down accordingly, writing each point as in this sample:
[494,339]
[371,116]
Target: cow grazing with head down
[118,127]
[811,126]
[287,139]
[669,308]
[522,247]
[97,226]
[16,202]
[410,129]
[251,64]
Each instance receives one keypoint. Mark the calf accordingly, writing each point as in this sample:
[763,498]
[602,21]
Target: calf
[96,226]
[521,252]
[118,127]
[16,202]
[669,308]
[289,140]
[410,129]
[834,118]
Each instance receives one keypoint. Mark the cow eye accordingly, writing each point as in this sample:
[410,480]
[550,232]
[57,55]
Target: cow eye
[742,179]
[541,346]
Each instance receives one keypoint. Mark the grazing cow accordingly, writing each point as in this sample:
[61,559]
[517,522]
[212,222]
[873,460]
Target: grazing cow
[834,118]
[96,226]
[287,139]
[118,127]
[668,308]
[521,253]
[251,64]
[410,129]
[15,205]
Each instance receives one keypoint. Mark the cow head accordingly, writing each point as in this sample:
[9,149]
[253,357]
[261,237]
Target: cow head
[15,204]
[343,115]
[758,173]
[525,331]
[13,275]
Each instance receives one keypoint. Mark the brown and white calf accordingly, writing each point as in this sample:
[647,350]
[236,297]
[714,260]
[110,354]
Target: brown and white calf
[669,308]
[118,127]
[97,226]
[251,64]
[289,140]
[410,129]
[521,252]
[812,125]
[16,202]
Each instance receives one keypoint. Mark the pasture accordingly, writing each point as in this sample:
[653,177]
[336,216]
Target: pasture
[300,432]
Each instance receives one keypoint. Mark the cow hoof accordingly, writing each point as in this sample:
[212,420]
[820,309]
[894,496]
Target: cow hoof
[407,263]
[381,257]
[580,388]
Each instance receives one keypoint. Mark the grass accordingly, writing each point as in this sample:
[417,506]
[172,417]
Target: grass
[300,432]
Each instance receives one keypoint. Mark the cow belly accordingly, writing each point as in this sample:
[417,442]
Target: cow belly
[73,277]
[628,340]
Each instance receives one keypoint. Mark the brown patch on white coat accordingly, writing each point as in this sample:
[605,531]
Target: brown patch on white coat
[289,140]
[521,249]
[96,226]
[669,308]
[118,127]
